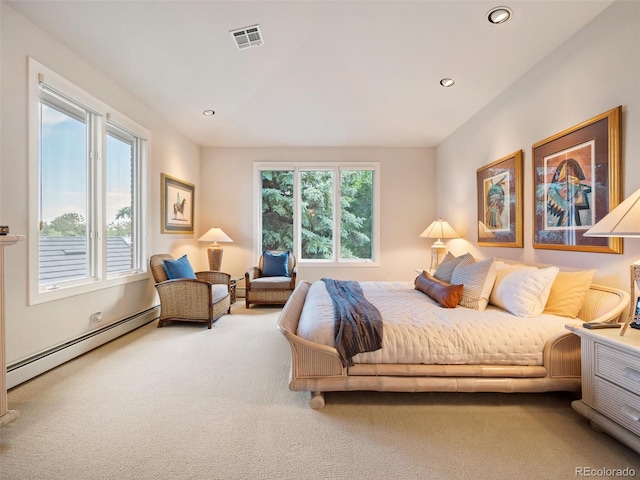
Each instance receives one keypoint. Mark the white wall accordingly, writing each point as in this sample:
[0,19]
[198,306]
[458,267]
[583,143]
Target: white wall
[594,71]
[31,330]
[407,198]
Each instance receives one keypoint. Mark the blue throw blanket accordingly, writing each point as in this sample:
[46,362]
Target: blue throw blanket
[358,323]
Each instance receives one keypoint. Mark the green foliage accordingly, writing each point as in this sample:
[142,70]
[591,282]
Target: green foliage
[66,225]
[317,214]
[122,226]
[277,210]
[74,225]
[356,205]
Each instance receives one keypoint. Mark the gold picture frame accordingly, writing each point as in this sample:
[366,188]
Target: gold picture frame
[576,182]
[178,209]
[500,208]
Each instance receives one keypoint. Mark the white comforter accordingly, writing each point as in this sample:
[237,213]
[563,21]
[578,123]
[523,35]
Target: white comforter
[417,330]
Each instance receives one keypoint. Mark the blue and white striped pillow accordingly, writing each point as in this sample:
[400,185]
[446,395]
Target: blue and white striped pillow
[478,279]
[449,264]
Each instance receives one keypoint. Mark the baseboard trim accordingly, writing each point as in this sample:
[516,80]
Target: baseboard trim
[35,365]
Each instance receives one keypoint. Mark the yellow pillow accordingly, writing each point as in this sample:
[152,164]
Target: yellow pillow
[568,293]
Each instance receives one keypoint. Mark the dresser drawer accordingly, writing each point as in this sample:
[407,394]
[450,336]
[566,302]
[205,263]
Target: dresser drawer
[618,404]
[618,367]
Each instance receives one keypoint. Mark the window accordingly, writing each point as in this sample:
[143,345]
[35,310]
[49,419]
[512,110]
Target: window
[86,191]
[325,213]
[122,175]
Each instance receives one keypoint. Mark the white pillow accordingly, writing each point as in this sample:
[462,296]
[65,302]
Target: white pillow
[502,270]
[477,279]
[523,290]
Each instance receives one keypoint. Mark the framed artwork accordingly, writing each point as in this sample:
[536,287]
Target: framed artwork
[500,186]
[177,205]
[576,182]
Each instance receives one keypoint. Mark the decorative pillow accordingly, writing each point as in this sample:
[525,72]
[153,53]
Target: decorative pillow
[180,268]
[523,290]
[275,264]
[502,270]
[448,265]
[477,279]
[568,293]
[445,294]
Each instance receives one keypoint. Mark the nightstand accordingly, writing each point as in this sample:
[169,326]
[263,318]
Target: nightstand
[233,284]
[611,382]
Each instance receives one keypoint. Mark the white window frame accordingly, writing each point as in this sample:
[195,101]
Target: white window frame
[298,167]
[98,279]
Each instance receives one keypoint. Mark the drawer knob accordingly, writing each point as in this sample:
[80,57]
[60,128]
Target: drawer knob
[630,412]
[631,374]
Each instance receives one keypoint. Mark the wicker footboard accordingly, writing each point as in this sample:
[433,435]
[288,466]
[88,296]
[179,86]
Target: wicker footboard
[317,368]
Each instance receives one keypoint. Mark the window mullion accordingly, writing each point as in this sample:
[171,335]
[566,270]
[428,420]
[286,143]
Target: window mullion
[297,213]
[96,198]
[136,232]
[336,215]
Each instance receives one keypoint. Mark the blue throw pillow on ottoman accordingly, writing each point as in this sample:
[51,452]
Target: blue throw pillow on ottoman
[180,268]
[275,264]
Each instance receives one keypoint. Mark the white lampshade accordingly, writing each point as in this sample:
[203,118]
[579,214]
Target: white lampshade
[622,221]
[439,229]
[215,234]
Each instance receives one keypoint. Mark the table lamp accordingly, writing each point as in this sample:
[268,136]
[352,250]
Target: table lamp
[214,251]
[438,229]
[623,221]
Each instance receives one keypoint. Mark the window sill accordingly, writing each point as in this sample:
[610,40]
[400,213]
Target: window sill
[45,296]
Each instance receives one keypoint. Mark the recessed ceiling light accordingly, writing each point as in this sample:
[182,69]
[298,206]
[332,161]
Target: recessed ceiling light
[499,15]
[447,82]
[208,113]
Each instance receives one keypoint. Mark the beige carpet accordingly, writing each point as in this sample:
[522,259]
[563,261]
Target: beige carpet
[184,402]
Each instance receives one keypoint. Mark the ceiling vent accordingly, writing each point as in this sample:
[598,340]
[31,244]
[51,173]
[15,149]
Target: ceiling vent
[247,37]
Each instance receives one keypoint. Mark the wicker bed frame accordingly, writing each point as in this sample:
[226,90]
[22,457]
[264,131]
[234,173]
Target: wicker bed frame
[317,368]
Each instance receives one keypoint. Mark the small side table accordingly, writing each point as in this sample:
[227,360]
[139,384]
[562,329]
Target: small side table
[233,282]
[610,382]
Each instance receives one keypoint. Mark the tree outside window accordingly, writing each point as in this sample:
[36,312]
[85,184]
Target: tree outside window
[323,231]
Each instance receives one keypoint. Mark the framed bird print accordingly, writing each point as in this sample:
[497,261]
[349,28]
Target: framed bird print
[177,205]
[499,186]
[576,182]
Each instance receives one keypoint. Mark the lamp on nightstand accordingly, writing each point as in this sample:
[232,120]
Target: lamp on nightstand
[214,251]
[623,221]
[438,229]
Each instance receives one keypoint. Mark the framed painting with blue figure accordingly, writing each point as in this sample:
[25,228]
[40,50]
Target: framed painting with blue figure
[177,205]
[576,182]
[499,186]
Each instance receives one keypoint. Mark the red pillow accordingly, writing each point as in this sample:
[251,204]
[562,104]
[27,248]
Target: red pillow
[444,293]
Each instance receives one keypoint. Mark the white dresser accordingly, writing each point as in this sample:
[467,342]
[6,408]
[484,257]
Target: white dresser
[611,382]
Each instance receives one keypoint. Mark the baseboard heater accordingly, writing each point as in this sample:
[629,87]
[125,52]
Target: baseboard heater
[35,365]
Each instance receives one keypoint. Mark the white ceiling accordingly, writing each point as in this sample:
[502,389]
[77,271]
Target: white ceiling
[330,73]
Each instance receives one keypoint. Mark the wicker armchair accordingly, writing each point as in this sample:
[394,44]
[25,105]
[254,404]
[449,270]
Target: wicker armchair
[204,299]
[269,290]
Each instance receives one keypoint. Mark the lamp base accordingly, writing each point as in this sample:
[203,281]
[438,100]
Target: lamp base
[215,258]
[438,252]
[634,310]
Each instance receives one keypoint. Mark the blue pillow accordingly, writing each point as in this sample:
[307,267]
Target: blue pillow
[275,264]
[180,268]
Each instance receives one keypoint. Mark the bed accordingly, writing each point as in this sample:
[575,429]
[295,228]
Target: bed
[460,349]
